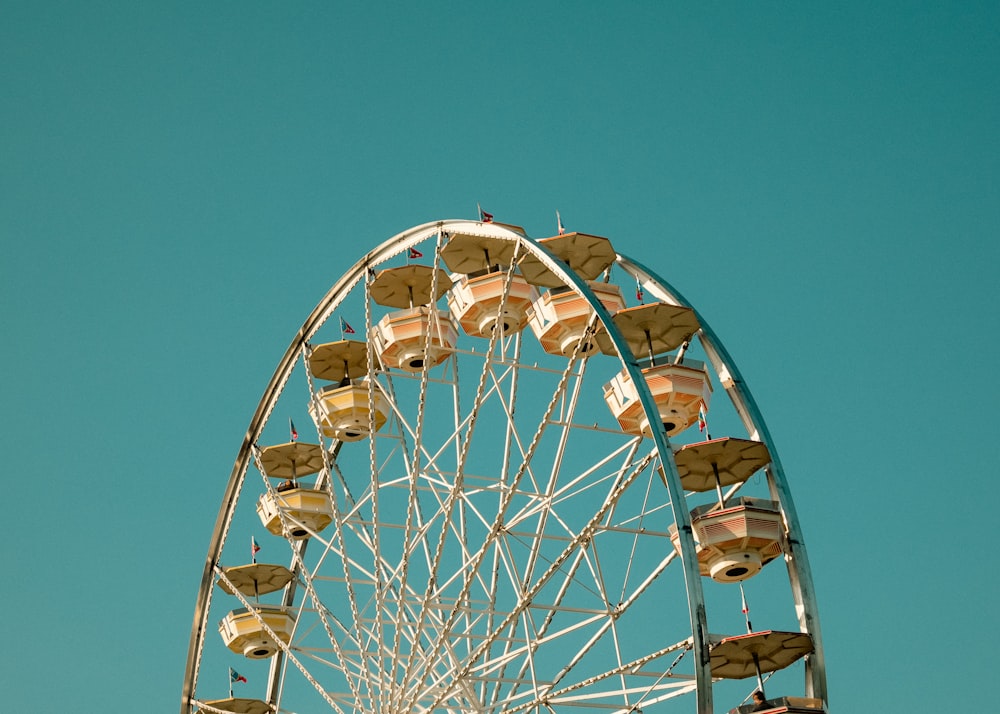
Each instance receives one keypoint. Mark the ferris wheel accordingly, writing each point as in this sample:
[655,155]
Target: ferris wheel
[507,493]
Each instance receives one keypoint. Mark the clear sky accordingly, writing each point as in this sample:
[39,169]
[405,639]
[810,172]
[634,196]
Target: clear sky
[181,182]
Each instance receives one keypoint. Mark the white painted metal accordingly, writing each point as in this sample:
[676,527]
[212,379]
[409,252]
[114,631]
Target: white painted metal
[465,590]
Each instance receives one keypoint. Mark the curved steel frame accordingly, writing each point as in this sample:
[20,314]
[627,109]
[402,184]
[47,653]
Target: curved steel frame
[799,572]
[797,562]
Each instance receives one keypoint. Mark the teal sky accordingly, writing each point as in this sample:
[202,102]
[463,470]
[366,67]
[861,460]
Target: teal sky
[181,182]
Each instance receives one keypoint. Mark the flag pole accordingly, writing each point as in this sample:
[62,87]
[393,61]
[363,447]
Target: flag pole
[760,677]
[746,609]
[718,490]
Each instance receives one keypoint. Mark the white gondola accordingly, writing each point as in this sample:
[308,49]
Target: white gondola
[679,390]
[735,542]
[304,510]
[733,539]
[407,339]
[346,410]
[486,292]
[349,412]
[243,633]
[559,317]
[418,333]
[478,303]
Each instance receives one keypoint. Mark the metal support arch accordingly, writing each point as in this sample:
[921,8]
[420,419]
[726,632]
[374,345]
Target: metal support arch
[799,572]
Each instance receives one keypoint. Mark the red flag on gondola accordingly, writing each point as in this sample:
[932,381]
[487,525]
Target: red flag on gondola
[414,253]
[345,328]
[483,215]
[235,676]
